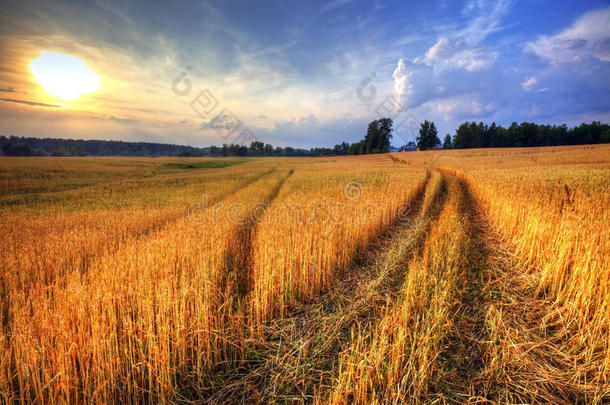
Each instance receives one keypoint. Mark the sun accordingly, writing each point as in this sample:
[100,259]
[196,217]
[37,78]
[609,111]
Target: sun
[63,76]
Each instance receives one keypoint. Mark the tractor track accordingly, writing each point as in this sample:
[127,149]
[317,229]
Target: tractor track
[299,354]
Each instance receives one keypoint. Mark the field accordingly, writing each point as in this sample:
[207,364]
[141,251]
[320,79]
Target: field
[459,276]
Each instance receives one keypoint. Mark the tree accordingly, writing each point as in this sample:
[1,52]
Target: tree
[378,135]
[16,150]
[61,151]
[447,144]
[341,149]
[488,135]
[77,150]
[354,148]
[428,136]
[257,148]
[361,148]
[268,150]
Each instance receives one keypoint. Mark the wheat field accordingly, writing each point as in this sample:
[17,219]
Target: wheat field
[463,276]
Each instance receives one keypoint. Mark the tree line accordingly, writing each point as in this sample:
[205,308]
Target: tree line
[526,134]
[22,146]
[376,140]
[480,135]
[259,149]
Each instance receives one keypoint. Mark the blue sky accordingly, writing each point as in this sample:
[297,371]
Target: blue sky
[305,73]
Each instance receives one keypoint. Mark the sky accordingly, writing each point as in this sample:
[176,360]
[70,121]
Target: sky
[294,73]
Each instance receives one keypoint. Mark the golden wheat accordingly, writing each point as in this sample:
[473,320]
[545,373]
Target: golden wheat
[153,280]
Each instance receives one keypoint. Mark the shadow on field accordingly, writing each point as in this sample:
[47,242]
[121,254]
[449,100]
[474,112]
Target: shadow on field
[298,353]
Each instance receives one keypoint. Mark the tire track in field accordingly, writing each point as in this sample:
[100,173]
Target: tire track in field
[530,348]
[154,232]
[508,344]
[397,160]
[239,254]
[464,346]
[298,353]
[87,259]
[165,222]
[444,360]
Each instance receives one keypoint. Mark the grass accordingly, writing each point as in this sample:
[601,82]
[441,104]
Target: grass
[463,276]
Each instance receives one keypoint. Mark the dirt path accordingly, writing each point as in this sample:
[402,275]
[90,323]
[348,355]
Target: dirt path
[239,255]
[510,345]
[87,260]
[464,346]
[299,354]
[533,353]
[298,358]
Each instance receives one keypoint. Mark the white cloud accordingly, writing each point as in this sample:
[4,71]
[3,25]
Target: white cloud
[308,130]
[331,5]
[454,54]
[486,17]
[433,75]
[464,106]
[589,36]
[529,83]
[307,122]
[402,87]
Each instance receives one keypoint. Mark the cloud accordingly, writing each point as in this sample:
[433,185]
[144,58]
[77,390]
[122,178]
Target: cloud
[433,75]
[32,103]
[306,122]
[447,68]
[225,120]
[529,83]
[331,5]
[449,53]
[457,77]
[310,130]
[305,65]
[460,107]
[485,19]
[589,36]
[402,87]
[124,120]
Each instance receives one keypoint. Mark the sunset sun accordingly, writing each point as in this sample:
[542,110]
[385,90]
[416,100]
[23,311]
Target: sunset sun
[63,76]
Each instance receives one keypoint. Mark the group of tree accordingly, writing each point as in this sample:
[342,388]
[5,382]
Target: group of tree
[428,136]
[22,146]
[479,135]
[258,149]
[377,139]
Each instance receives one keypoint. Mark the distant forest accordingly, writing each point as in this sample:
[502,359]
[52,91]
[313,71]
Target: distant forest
[377,140]
[21,146]
[479,135]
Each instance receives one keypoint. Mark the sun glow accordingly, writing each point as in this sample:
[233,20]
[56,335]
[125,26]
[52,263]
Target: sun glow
[63,76]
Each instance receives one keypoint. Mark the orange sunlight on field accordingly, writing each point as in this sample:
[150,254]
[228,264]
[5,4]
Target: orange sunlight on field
[447,276]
